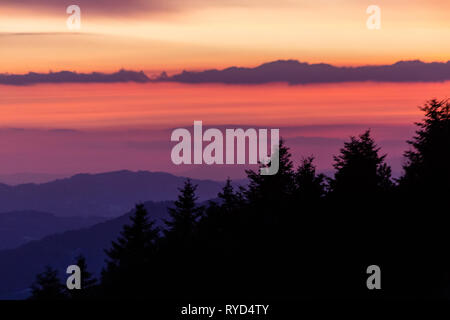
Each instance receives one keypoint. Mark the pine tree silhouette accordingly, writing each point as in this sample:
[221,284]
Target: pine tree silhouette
[48,286]
[272,188]
[427,167]
[360,170]
[356,208]
[230,199]
[87,280]
[130,257]
[310,186]
[184,217]
[178,245]
[309,195]
[424,188]
[218,216]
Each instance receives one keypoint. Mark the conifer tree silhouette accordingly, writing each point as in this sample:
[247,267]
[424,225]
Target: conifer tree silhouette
[88,281]
[309,195]
[272,188]
[178,246]
[360,170]
[185,214]
[230,199]
[356,209]
[218,217]
[310,186]
[130,257]
[427,168]
[48,286]
[424,187]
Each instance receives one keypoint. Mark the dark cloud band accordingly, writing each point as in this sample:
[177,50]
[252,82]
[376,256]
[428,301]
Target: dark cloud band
[97,7]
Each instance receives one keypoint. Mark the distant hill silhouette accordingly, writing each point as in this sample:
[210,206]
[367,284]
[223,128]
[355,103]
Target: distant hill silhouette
[29,177]
[19,227]
[105,194]
[290,71]
[295,72]
[19,266]
[73,77]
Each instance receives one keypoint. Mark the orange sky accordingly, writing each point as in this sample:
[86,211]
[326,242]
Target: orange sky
[171,105]
[195,34]
[69,128]
[98,127]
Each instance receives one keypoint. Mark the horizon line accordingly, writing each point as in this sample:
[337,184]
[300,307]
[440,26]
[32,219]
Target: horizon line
[291,71]
[225,68]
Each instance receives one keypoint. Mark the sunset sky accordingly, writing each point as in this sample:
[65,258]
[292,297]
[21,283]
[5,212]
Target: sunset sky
[71,128]
[155,35]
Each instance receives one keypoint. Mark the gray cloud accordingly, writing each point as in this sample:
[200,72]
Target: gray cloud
[30,34]
[96,7]
[134,7]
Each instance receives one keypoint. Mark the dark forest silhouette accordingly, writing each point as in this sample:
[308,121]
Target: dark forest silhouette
[296,234]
